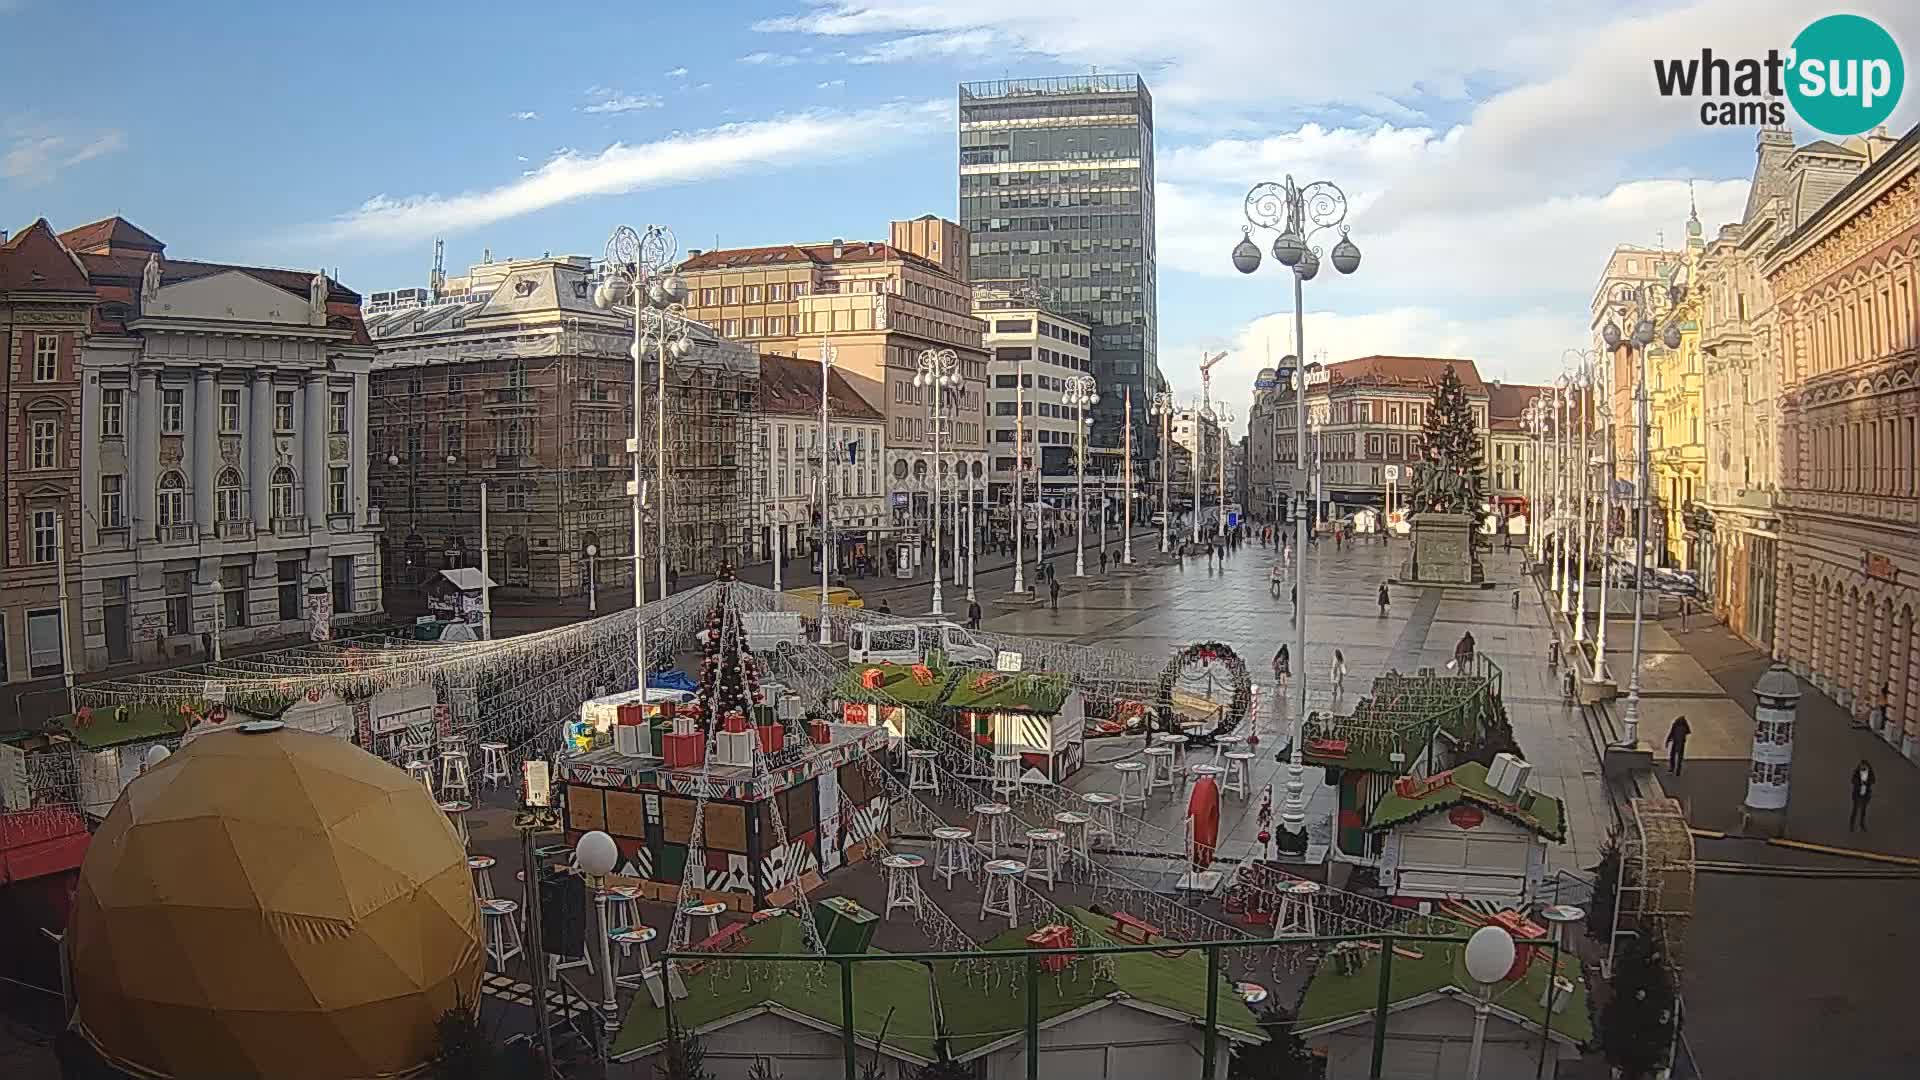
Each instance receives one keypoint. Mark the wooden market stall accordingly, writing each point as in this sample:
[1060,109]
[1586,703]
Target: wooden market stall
[1041,717]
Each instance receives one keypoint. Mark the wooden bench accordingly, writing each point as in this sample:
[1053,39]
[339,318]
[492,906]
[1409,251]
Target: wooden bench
[730,938]
[1133,931]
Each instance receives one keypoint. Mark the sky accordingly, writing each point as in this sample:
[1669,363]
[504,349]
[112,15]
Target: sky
[1492,153]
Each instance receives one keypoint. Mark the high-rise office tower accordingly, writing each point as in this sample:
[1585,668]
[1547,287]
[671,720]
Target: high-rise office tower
[1056,190]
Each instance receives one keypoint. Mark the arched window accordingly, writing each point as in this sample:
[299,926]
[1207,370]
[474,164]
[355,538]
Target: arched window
[516,439]
[228,496]
[172,492]
[281,491]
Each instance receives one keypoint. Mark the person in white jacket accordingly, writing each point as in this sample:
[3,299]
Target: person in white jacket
[1339,676]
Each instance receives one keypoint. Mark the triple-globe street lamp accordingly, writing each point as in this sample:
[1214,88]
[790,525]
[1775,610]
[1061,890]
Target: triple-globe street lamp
[1082,394]
[939,374]
[1297,214]
[1162,409]
[1636,300]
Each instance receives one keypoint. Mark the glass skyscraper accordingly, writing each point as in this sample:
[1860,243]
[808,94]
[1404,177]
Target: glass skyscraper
[1056,188]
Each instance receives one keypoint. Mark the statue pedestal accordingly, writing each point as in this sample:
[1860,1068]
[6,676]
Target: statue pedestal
[1442,551]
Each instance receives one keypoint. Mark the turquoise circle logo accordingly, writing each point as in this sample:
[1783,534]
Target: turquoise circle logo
[1847,75]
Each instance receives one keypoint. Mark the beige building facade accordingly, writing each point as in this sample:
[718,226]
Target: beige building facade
[1848,298]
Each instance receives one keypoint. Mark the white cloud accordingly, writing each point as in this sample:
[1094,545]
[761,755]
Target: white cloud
[620,169]
[37,159]
[525,115]
[769,59]
[830,84]
[677,73]
[612,101]
[927,46]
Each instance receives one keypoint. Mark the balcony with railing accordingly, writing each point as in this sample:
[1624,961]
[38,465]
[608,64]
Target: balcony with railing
[292,525]
[235,529]
[179,532]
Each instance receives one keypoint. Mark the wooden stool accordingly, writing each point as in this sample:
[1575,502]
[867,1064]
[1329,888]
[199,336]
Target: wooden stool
[623,905]
[503,930]
[1178,743]
[456,811]
[1001,898]
[903,883]
[921,774]
[1295,917]
[1043,854]
[482,868]
[422,772]
[453,774]
[1006,774]
[493,764]
[990,826]
[1077,826]
[630,938]
[952,853]
[1239,776]
[1133,775]
[1225,744]
[1104,808]
[1159,769]
[710,911]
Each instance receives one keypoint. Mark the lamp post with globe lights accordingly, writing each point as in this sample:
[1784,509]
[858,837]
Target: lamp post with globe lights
[1202,414]
[1563,411]
[593,605]
[1604,411]
[1489,958]
[1584,377]
[1081,395]
[1163,410]
[940,375]
[1297,214]
[1223,419]
[1636,300]
[595,854]
[828,355]
[637,273]
[974,473]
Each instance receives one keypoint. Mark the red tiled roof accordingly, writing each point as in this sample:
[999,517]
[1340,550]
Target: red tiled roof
[790,386]
[852,251]
[36,261]
[1407,370]
[1507,401]
[128,269]
[100,237]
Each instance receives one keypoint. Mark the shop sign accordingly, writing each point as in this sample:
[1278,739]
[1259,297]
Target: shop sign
[1466,817]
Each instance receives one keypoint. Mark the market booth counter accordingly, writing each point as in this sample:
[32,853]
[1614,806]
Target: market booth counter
[1041,717]
[828,811]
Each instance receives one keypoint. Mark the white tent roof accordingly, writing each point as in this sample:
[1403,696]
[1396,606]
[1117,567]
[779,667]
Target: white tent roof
[467,579]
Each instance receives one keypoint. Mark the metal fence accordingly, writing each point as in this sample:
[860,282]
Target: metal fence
[1024,971]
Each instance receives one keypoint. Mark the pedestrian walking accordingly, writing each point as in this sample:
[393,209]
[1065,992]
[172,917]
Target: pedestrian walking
[1860,786]
[1053,591]
[885,608]
[1286,553]
[1677,744]
[1339,676]
[1103,562]
[973,614]
[1463,652]
[1274,579]
[1281,670]
[1384,600]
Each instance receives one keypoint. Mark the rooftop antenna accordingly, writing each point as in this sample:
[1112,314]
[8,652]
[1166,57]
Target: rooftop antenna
[437,280]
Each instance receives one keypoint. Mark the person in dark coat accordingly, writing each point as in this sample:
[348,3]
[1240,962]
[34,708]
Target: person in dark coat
[1860,786]
[1281,668]
[1385,600]
[1677,744]
[1053,591]
[973,614]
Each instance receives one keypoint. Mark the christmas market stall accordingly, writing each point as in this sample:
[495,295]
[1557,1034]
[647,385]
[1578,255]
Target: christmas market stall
[734,795]
[1470,833]
[1039,716]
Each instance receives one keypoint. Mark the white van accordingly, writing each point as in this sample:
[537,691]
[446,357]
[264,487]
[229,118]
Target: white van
[768,630]
[908,643]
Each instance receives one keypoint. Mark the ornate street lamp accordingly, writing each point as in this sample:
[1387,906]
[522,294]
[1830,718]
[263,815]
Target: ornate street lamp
[1081,395]
[940,375]
[1162,409]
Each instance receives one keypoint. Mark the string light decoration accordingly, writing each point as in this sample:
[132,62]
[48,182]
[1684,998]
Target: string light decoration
[1205,654]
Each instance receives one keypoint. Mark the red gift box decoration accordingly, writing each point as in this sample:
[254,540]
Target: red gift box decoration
[873,678]
[629,714]
[683,751]
[1052,937]
[734,723]
[773,738]
[856,712]
[820,731]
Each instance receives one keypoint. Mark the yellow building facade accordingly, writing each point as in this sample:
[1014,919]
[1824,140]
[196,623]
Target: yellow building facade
[1675,439]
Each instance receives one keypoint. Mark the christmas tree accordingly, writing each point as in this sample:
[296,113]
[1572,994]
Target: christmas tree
[729,676]
[1452,474]
[1636,1027]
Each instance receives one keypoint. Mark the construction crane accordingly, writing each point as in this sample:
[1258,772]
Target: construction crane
[1206,378]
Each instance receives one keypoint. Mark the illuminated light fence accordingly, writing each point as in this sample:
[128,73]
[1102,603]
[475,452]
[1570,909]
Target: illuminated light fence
[904,1011]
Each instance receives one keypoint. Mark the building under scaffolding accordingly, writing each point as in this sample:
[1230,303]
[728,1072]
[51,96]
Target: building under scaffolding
[511,378]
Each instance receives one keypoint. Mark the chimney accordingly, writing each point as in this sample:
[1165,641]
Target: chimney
[839,247]
[3,236]
[691,252]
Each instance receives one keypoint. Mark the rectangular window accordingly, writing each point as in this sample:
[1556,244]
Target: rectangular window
[283,410]
[113,404]
[456,437]
[45,542]
[753,294]
[46,358]
[777,326]
[730,328]
[755,327]
[800,289]
[229,411]
[709,297]
[456,383]
[179,591]
[173,411]
[337,490]
[343,584]
[45,444]
[113,507]
[233,595]
[338,411]
[730,294]
[287,576]
[776,292]
[43,643]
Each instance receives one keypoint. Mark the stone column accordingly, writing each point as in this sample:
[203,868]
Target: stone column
[1764,811]
[313,437]
[205,424]
[143,449]
[260,448]
[357,443]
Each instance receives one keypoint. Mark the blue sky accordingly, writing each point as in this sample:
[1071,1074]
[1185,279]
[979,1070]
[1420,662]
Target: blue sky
[1490,166]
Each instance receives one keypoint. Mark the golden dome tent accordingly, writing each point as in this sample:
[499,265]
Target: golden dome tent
[270,902]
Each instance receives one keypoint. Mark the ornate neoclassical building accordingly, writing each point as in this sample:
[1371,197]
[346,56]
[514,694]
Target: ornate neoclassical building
[1846,288]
